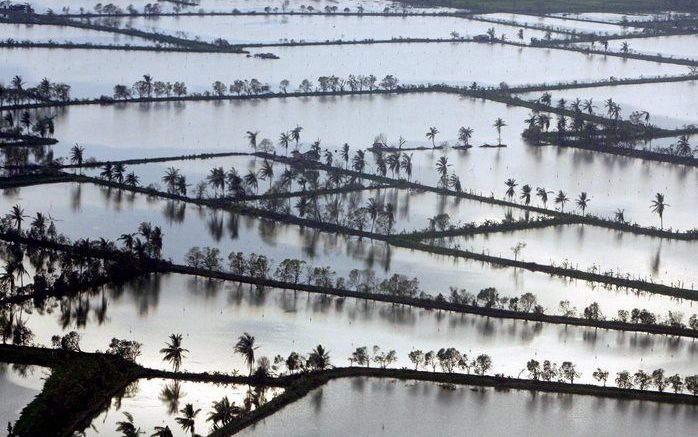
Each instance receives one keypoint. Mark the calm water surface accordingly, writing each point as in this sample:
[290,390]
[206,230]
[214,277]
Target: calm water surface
[18,386]
[426,409]
[149,310]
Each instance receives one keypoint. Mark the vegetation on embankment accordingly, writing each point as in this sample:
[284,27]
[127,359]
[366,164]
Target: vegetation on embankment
[306,382]
[549,6]
[78,388]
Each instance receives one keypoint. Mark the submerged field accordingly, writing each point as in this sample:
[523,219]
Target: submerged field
[337,218]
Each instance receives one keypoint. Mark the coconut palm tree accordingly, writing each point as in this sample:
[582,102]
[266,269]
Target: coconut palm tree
[345,154]
[658,206]
[442,166]
[17,216]
[171,178]
[216,178]
[132,179]
[251,180]
[619,215]
[358,162]
[162,431]
[319,358]
[252,138]
[285,140]
[543,194]
[76,154]
[373,209]
[174,352]
[127,427]
[390,215]
[511,185]
[583,201]
[464,135]
[267,172]
[188,418]
[561,199]
[223,412]
[246,347]
[499,124]
[406,165]
[526,194]
[589,106]
[431,135]
[296,134]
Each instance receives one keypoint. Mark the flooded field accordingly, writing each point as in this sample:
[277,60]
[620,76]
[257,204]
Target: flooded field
[451,63]
[423,408]
[96,277]
[283,321]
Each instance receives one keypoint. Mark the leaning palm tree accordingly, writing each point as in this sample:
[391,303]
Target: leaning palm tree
[583,201]
[251,180]
[561,199]
[187,419]
[174,352]
[246,347]
[658,206]
[252,138]
[296,134]
[543,194]
[431,135]
[499,124]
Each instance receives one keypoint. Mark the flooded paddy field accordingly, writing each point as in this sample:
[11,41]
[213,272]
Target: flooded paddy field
[284,321]
[423,407]
[450,63]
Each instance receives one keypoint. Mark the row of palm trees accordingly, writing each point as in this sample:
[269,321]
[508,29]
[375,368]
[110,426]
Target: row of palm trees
[18,92]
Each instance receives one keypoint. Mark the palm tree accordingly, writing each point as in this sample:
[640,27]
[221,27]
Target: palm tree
[442,166]
[252,138]
[583,201]
[187,419]
[251,180]
[499,124]
[620,215]
[465,134]
[373,208]
[526,194]
[284,140]
[223,412]
[76,154]
[296,134]
[17,216]
[406,165]
[319,358]
[216,178]
[561,199]
[128,241]
[589,106]
[162,431]
[132,179]
[119,169]
[267,172]
[127,427]
[431,135]
[171,178]
[543,194]
[246,347]
[174,352]
[658,206]
[358,162]
[390,214]
[345,154]
[511,185]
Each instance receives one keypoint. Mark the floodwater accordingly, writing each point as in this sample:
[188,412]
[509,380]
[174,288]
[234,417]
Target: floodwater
[562,24]
[19,385]
[677,46]
[93,73]
[671,105]
[272,29]
[61,34]
[222,127]
[157,402]
[83,211]
[150,309]
[426,409]
[592,248]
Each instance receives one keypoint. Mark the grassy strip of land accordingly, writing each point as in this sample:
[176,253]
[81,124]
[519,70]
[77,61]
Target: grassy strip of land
[550,6]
